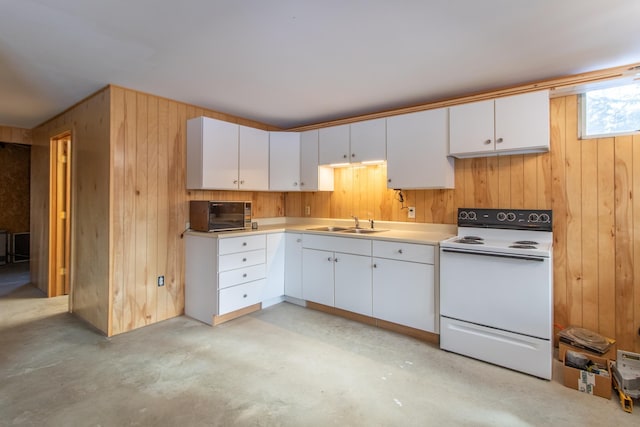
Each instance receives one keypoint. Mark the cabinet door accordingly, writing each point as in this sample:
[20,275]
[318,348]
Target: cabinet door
[353,283]
[284,161]
[522,122]
[334,145]
[275,266]
[201,289]
[369,140]
[212,154]
[312,176]
[317,276]
[254,159]
[293,265]
[471,128]
[403,293]
[417,151]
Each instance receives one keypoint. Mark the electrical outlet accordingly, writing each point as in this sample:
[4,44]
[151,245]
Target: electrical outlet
[160,280]
[412,212]
[307,210]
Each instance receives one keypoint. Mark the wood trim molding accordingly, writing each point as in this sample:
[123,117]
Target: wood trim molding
[235,314]
[553,83]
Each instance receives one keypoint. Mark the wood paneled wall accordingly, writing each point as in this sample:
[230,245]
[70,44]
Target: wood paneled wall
[15,135]
[88,122]
[589,184]
[149,205]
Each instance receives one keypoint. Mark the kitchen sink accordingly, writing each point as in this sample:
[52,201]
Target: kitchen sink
[363,230]
[328,228]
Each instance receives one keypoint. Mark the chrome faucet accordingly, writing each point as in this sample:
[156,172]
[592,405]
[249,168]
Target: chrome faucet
[357,221]
[371,223]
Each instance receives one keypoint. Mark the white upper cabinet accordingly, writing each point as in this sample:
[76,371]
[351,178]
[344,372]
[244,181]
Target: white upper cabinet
[312,176]
[334,145]
[417,151]
[212,154]
[253,171]
[510,125]
[353,143]
[226,156]
[284,161]
[369,140]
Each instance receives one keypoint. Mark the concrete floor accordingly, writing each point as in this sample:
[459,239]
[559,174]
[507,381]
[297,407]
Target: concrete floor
[283,366]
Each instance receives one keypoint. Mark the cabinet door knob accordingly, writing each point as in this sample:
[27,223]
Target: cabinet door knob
[487,142]
[499,140]
[242,181]
[329,259]
[389,180]
[353,154]
[344,156]
[301,183]
[336,259]
[375,265]
[399,251]
[235,181]
[295,184]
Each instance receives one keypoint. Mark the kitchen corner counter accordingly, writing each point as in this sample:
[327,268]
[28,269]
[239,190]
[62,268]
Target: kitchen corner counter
[393,231]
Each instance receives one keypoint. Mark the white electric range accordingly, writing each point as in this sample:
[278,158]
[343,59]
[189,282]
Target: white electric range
[496,289]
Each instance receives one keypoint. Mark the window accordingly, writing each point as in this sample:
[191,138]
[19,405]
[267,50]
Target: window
[610,111]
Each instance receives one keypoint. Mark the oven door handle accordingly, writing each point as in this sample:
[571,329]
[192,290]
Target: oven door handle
[525,258]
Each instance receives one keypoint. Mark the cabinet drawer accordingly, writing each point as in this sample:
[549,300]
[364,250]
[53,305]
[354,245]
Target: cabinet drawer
[239,244]
[241,259]
[337,244]
[237,297]
[241,275]
[403,251]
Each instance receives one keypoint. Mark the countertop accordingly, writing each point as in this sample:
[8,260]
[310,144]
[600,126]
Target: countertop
[420,233]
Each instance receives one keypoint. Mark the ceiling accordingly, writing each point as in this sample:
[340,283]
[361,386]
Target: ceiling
[294,62]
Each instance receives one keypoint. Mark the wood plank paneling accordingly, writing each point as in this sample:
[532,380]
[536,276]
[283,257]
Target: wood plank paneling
[16,135]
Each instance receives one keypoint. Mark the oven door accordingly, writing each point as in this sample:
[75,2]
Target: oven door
[508,292]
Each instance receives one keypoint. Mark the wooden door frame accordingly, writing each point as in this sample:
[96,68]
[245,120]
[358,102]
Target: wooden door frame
[54,225]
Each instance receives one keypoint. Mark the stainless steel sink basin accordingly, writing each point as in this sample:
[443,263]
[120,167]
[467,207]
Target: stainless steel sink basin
[363,230]
[328,228]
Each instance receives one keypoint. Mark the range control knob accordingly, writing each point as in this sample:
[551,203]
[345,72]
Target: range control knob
[545,218]
[511,216]
[463,215]
[472,216]
[501,216]
[534,217]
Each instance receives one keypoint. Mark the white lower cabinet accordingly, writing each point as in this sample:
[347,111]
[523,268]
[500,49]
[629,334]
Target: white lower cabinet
[274,286]
[223,274]
[293,265]
[317,276]
[352,278]
[336,271]
[403,284]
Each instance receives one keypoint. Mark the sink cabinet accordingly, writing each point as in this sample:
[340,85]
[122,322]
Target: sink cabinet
[336,272]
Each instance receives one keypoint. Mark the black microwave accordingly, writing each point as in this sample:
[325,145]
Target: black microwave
[219,215]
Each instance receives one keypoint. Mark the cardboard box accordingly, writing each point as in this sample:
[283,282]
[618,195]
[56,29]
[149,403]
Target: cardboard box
[588,382]
[610,354]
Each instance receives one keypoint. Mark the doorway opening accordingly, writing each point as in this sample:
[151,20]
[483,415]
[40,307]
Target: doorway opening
[60,216]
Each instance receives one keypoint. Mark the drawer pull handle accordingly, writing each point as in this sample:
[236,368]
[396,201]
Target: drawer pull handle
[244,296]
[244,243]
[244,275]
[399,251]
[244,260]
